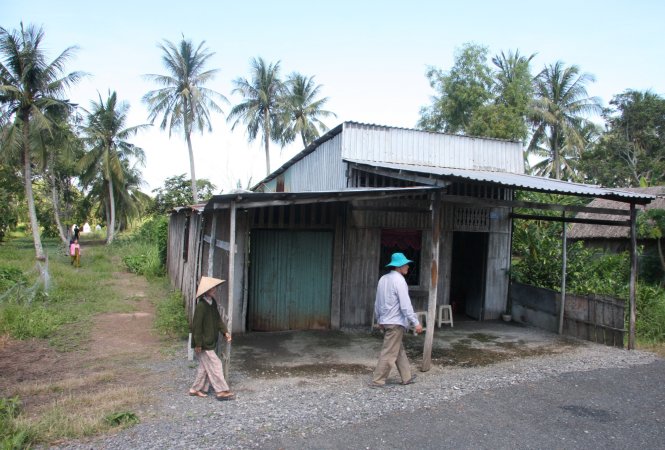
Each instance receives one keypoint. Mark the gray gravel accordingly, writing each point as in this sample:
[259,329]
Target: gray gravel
[269,408]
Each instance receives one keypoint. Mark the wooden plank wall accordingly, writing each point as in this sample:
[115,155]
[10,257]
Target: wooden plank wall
[361,273]
[191,268]
[595,318]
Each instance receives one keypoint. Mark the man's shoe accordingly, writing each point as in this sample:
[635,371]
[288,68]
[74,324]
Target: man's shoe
[373,385]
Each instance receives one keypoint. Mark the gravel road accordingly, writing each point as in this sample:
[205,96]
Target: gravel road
[268,409]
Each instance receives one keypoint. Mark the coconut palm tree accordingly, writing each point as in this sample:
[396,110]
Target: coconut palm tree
[559,111]
[569,154]
[130,202]
[183,102]
[261,108]
[30,86]
[106,136]
[303,110]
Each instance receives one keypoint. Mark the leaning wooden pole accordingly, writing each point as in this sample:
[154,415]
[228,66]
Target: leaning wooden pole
[230,282]
[633,275]
[564,269]
[434,282]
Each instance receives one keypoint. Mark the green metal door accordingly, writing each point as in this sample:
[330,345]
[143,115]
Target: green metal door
[290,280]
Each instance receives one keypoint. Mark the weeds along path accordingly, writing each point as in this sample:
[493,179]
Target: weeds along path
[104,375]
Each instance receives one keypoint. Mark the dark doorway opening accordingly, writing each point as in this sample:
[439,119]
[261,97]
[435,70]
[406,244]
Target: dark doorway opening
[467,280]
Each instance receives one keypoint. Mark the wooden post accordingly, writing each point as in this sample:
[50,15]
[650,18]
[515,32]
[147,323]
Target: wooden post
[434,282]
[230,282]
[564,257]
[633,276]
[211,244]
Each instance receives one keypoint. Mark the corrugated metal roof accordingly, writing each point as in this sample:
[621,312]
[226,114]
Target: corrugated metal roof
[248,199]
[591,231]
[339,128]
[526,182]
[197,207]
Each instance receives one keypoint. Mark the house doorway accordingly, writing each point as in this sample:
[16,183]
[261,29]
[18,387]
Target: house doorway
[467,279]
[290,280]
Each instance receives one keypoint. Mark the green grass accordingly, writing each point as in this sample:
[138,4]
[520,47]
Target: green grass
[64,316]
[73,297]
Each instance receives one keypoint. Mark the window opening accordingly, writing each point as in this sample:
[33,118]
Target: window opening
[408,242]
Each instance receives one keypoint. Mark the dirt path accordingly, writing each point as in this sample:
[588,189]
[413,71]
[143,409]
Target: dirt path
[119,344]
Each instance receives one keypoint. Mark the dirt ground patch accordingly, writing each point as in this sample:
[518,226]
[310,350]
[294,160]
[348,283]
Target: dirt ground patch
[118,344]
[355,352]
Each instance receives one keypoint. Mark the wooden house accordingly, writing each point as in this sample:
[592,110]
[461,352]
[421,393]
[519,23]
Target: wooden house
[305,247]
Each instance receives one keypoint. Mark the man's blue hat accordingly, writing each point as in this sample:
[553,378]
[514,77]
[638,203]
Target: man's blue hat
[398,260]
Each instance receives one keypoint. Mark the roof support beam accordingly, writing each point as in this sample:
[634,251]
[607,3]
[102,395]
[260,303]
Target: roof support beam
[532,205]
[633,277]
[431,180]
[616,223]
[433,284]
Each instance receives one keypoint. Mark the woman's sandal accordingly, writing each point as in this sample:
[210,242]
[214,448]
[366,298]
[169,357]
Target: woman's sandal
[194,393]
[225,396]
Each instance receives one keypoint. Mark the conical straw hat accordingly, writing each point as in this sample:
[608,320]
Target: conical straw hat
[206,284]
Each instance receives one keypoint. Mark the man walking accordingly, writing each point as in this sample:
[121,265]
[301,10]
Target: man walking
[394,313]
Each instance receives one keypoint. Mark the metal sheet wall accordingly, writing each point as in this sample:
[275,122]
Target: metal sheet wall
[321,170]
[290,280]
[401,146]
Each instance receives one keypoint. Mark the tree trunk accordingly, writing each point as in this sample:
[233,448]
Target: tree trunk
[27,179]
[555,154]
[111,226]
[266,139]
[107,214]
[195,193]
[56,200]
[304,142]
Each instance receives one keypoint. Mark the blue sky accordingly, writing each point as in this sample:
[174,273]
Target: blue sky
[370,56]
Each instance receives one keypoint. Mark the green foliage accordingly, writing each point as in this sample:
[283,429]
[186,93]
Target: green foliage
[651,225]
[11,436]
[143,259]
[260,109]
[9,277]
[27,312]
[461,91]
[537,261]
[562,131]
[475,99]
[145,250]
[650,324]
[122,419]
[177,192]
[11,193]
[171,318]
[632,151]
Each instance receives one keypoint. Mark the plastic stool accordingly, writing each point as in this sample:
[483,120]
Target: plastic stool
[445,315]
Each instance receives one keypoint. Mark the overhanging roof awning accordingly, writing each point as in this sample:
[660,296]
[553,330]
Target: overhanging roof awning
[248,199]
[511,180]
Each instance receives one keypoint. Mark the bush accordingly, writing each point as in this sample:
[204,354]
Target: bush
[11,436]
[650,324]
[171,318]
[10,276]
[145,250]
[143,259]
[25,321]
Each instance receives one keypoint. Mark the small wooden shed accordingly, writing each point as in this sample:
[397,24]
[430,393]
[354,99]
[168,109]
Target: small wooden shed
[612,238]
[309,242]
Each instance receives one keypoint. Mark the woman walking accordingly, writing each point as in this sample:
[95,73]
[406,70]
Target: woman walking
[205,327]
